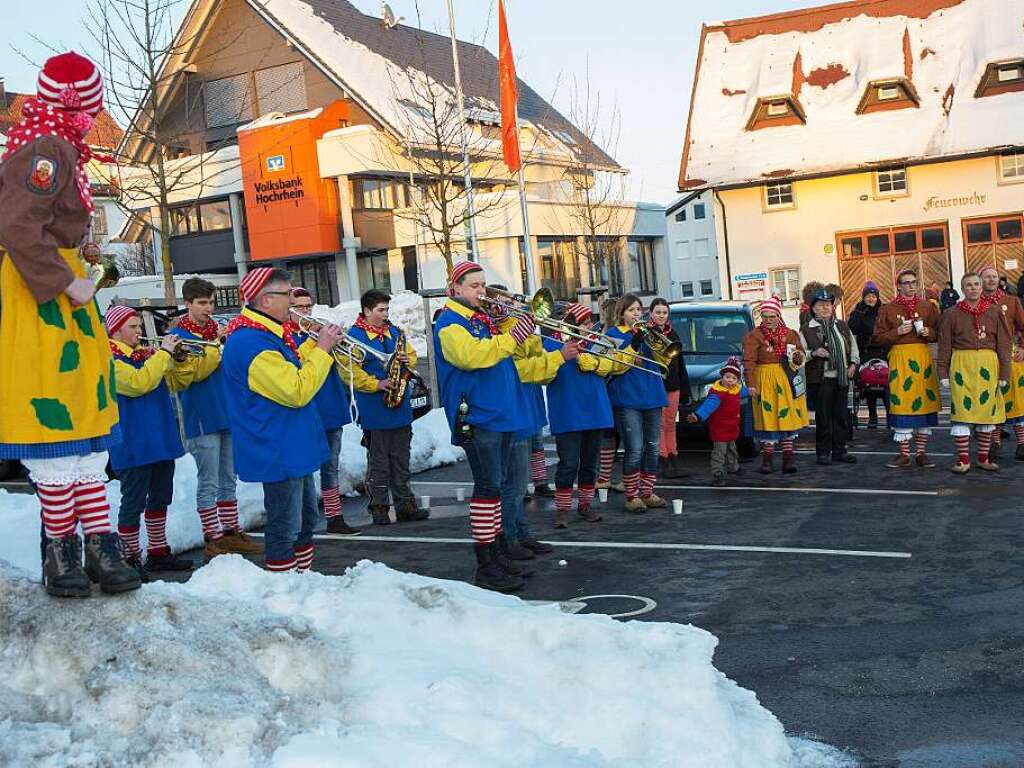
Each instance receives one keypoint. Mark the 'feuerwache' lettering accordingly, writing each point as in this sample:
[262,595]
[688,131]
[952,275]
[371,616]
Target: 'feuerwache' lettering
[278,190]
[952,202]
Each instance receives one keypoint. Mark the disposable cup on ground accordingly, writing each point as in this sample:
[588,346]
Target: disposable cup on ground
[602,494]
[530,488]
[424,502]
[677,506]
[460,494]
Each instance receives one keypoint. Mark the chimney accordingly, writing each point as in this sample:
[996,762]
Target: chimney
[3,93]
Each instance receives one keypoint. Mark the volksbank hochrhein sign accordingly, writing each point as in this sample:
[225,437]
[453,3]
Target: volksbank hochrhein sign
[278,190]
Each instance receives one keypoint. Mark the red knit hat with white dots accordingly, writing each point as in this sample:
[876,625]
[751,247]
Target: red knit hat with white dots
[71,82]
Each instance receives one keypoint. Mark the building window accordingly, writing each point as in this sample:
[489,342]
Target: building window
[200,218]
[681,216]
[979,232]
[558,268]
[374,271]
[687,289]
[776,111]
[640,253]
[706,289]
[319,278]
[700,248]
[933,239]
[905,242]
[281,89]
[884,95]
[779,195]
[99,222]
[605,267]
[1001,77]
[891,182]
[229,101]
[698,211]
[682,249]
[1011,166]
[379,194]
[786,284]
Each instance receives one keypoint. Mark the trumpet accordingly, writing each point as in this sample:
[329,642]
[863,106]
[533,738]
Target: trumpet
[346,349]
[187,347]
[659,343]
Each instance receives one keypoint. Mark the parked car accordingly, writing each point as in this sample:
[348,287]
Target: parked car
[711,332]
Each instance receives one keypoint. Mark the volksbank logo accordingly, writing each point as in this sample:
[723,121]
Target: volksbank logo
[275,163]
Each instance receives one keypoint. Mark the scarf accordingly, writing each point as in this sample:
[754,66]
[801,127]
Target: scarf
[370,331]
[908,304]
[206,332]
[983,304]
[41,120]
[663,329]
[247,322]
[776,339]
[138,355]
[836,347]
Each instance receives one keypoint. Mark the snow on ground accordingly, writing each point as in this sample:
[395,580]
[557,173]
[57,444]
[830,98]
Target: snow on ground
[240,667]
[19,513]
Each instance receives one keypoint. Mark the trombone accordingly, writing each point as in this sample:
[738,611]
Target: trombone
[192,347]
[659,343]
[347,348]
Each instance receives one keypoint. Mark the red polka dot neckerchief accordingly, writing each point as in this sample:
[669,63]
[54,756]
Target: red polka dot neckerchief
[247,322]
[983,306]
[138,355]
[39,120]
[776,339]
[206,332]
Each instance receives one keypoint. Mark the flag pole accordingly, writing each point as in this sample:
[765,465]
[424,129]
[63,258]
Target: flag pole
[473,255]
[531,269]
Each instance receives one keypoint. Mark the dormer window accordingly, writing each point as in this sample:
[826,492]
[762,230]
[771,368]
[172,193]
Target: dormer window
[775,111]
[1001,77]
[884,95]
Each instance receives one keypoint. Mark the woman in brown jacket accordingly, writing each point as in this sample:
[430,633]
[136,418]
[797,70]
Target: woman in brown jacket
[779,411]
[974,362]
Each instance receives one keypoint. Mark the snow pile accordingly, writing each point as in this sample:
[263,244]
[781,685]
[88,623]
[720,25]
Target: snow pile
[375,668]
[406,313]
[19,513]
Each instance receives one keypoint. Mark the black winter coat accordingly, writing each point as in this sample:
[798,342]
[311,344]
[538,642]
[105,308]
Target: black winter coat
[677,379]
[862,324]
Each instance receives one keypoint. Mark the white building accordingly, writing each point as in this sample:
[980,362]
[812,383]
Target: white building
[693,251]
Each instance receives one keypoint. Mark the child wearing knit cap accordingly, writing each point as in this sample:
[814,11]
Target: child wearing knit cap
[721,411]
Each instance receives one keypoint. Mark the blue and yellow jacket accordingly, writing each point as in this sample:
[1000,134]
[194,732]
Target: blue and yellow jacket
[578,397]
[204,403]
[332,400]
[276,428]
[472,362]
[373,414]
[636,389]
[536,367]
[149,428]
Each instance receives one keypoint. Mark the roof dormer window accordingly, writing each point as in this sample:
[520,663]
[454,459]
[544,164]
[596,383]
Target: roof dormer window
[1001,77]
[775,111]
[884,95]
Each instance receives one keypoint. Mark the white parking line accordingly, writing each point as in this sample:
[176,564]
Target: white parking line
[632,545]
[770,489]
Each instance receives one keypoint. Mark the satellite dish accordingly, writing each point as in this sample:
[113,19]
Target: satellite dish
[388,16]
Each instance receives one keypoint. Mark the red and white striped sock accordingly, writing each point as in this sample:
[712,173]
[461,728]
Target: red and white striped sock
[497,520]
[787,445]
[57,504]
[607,460]
[647,480]
[563,498]
[211,524]
[481,519]
[768,449]
[304,558]
[280,566]
[92,508]
[332,502]
[538,469]
[227,513]
[156,531]
[920,443]
[129,536]
[984,440]
[632,483]
[586,495]
[905,448]
[1018,431]
[997,435]
[963,446]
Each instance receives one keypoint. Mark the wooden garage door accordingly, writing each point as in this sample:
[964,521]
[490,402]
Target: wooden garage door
[995,242]
[879,255]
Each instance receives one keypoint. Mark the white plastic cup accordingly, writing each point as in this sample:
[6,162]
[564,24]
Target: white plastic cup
[424,502]
[677,506]
[531,488]
[919,325]
[602,494]
[460,494]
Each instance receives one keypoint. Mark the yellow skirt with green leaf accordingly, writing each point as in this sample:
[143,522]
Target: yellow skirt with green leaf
[1013,395]
[913,387]
[56,372]
[777,413]
[974,387]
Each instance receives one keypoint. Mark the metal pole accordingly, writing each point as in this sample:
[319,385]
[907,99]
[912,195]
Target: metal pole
[468,180]
[531,273]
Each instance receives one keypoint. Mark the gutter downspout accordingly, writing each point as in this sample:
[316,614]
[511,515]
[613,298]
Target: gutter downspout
[725,237]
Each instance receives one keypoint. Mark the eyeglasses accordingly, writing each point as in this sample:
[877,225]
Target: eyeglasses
[302,306]
[277,293]
[908,282]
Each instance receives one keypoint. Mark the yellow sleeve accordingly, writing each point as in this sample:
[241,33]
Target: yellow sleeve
[136,382]
[364,382]
[602,366]
[272,376]
[180,376]
[411,354]
[207,364]
[539,369]
[466,352]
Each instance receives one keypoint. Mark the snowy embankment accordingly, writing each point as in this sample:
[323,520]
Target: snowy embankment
[240,667]
[19,513]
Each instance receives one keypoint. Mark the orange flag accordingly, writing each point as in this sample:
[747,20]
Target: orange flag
[509,95]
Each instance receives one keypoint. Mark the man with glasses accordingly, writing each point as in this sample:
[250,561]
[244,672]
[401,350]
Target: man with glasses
[907,326]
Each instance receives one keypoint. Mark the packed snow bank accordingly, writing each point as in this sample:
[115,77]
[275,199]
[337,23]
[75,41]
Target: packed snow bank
[240,667]
[406,313]
[19,513]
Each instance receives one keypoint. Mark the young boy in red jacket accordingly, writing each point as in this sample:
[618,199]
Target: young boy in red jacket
[721,411]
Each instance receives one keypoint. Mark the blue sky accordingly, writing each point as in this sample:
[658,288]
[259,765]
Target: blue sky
[640,56]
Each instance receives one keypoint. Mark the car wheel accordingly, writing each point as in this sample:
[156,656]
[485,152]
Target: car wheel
[8,469]
[747,448]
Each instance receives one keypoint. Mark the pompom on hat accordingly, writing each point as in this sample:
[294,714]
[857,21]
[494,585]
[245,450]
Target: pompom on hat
[771,304]
[253,283]
[71,82]
[732,365]
[116,317]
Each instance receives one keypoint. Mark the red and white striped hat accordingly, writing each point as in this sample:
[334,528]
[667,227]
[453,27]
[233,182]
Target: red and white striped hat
[771,304]
[578,313]
[117,316]
[71,82]
[459,271]
[253,283]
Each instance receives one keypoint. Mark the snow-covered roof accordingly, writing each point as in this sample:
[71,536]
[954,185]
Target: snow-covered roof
[373,63]
[824,59]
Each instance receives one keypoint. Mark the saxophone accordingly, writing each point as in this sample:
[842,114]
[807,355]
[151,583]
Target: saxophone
[398,375]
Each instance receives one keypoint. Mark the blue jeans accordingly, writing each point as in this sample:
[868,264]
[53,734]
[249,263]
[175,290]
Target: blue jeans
[513,489]
[640,432]
[488,455]
[329,473]
[291,514]
[215,463]
[578,457]
[150,486]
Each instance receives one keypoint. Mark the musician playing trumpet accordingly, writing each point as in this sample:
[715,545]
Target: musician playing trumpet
[385,410]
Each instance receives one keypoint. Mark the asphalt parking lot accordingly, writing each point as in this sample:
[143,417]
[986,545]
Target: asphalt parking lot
[881,611]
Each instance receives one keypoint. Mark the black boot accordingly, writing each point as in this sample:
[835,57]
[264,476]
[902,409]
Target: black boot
[516,550]
[106,566]
[62,569]
[490,575]
[537,546]
[499,550]
[379,513]
[167,561]
[407,512]
[544,490]
[135,563]
[339,527]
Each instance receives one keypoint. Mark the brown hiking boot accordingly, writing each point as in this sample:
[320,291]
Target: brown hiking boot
[899,461]
[654,501]
[636,506]
[988,466]
[994,450]
[960,468]
[586,513]
[238,543]
[923,461]
[788,463]
[562,521]
[766,463]
[212,548]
